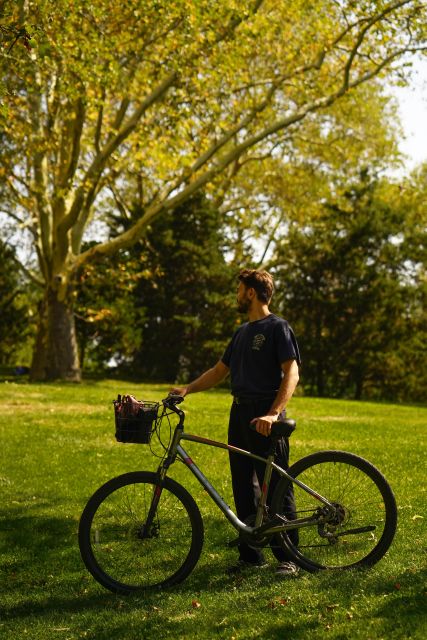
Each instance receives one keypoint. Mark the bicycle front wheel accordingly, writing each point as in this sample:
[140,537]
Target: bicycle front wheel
[119,550]
[365,519]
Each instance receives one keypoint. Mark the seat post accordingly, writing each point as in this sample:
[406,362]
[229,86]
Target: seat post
[266,482]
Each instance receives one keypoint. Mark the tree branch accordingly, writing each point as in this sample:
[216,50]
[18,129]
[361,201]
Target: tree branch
[251,116]
[121,112]
[20,198]
[53,103]
[92,174]
[99,119]
[20,180]
[22,223]
[76,134]
[396,54]
[232,132]
[121,205]
[39,162]
[374,20]
[268,244]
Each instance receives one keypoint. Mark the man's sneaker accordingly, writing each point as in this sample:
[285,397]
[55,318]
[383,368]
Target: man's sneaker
[287,569]
[244,565]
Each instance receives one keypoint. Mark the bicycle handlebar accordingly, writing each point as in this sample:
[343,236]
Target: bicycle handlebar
[172,400]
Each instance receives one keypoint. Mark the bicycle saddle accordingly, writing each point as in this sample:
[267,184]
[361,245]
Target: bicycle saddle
[283,428]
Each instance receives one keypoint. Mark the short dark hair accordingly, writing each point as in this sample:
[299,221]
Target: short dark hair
[261,281]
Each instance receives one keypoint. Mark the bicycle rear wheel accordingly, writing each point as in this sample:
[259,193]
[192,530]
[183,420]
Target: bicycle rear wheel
[365,512]
[124,556]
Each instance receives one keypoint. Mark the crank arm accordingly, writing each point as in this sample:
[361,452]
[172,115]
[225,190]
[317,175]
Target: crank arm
[370,527]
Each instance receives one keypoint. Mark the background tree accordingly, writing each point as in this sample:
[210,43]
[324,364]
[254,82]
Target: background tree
[353,285]
[189,294]
[164,308]
[109,315]
[158,100]
[269,194]
[15,309]
[13,33]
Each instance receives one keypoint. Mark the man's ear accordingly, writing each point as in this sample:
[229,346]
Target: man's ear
[251,293]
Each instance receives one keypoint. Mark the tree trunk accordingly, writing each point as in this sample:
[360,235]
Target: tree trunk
[55,355]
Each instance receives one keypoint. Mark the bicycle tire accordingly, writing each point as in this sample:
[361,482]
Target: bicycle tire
[367,515]
[110,540]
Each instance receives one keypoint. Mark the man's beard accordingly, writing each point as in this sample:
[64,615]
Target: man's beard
[243,306]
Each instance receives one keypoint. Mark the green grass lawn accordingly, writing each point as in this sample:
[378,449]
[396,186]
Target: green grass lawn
[58,446]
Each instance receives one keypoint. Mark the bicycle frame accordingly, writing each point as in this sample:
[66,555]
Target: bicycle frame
[127,549]
[280,523]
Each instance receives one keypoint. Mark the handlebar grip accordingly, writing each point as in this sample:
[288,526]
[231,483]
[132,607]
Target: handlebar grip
[172,400]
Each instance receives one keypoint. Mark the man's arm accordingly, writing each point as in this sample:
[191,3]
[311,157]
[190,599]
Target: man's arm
[284,394]
[208,379]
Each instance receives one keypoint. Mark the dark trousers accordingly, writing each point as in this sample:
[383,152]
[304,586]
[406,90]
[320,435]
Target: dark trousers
[247,474]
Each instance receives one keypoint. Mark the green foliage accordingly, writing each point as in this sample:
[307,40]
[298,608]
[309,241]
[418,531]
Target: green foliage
[15,310]
[189,294]
[353,285]
[108,319]
[164,309]
[14,35]
[323,156]
[58,446]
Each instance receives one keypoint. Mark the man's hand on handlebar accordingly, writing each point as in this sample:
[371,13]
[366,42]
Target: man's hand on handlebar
[178,391]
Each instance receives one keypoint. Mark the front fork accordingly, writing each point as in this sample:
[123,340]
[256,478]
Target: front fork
[150,529]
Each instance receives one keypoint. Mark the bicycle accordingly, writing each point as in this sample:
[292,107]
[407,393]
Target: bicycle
[143,530]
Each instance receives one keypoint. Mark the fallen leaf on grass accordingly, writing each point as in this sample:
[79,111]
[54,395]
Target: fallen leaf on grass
[331,607]
[196,604]
[397,586]
[277,602]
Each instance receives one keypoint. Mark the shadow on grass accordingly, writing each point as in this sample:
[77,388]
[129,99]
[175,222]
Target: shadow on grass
[42,571]
[35,550]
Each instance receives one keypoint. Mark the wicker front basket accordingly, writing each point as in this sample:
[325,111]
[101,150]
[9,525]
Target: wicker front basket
[135,424]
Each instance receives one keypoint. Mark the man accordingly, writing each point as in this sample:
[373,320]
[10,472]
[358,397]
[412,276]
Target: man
[262,358]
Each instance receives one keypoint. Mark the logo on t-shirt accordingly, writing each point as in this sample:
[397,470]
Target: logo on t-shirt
[258,341]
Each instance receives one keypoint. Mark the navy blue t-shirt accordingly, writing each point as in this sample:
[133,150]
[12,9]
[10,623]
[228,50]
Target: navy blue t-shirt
[255,354]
